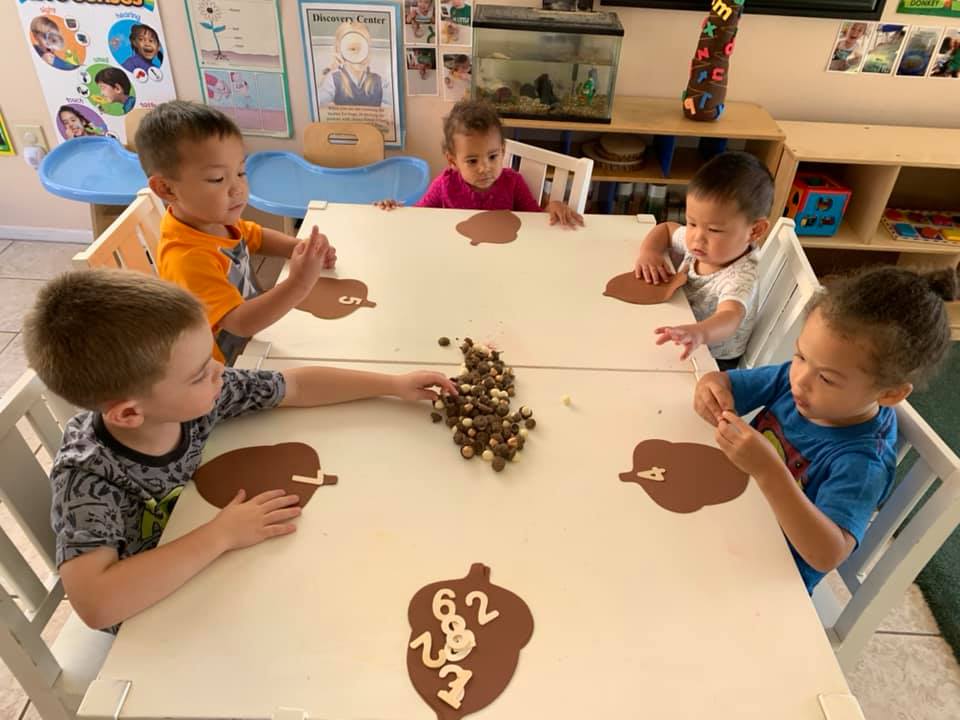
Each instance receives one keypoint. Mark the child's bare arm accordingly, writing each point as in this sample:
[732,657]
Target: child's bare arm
[311,386]
[718,327]
[817,538]
[651,264]
[104,590]
[252,316]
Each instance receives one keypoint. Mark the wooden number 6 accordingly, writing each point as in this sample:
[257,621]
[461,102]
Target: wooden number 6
[426,640]
[453,696]
[483,617]
[349,300]
[443,605]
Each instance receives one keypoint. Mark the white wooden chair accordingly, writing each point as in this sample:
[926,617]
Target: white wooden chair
[131,240]
[894,549]
[55,676]
[571,176]
[785,285]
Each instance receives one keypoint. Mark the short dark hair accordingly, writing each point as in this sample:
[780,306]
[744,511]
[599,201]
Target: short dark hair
[140,29]
[164,127]
[736,177]
[133,317]
[467,117]
[114,76]
[899,313]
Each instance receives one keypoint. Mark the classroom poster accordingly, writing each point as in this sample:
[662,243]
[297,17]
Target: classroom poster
[850,47]
[421,70]
[946,63]
[884,50]
[456,22]
[97,62]
[238,47]
[917,52]
[353,63]
[945,8]
[457,71]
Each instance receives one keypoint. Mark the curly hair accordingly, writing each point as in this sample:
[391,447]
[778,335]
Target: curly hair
[900,313]
[467,117]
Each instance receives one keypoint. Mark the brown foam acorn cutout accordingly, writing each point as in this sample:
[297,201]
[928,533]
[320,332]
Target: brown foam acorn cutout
[334,298]
[293,467]
[683,477]
[465,641]
[490,226]
[631,289]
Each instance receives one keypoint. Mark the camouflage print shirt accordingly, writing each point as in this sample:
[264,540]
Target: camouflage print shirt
[107,495]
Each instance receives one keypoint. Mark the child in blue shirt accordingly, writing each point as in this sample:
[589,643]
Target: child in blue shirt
[823,447]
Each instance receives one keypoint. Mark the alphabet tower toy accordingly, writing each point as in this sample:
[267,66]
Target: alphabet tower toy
[707,89]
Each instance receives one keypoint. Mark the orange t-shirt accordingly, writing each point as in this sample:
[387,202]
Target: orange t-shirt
[216,270]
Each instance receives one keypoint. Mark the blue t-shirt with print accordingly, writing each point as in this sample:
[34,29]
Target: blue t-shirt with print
[845,471]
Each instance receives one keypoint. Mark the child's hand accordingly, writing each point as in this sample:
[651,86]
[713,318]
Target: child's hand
[690,336]
[389,204]
[745,447]
[563,214]
[330,257]
[420,385]
[652,267]
[242,524]
[309,258]
[713,397]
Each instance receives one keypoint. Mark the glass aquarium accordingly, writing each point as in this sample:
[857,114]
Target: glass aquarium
[544,64]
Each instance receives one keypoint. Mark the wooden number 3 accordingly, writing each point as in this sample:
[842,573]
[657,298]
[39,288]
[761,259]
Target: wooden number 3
[483,617]
[349,300]
[453,695]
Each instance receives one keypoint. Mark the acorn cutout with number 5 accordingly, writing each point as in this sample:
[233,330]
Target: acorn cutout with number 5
[335,298]
[465,642]
[683,477]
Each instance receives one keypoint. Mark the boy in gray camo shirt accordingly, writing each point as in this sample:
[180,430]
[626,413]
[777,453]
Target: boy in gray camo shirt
[135,351]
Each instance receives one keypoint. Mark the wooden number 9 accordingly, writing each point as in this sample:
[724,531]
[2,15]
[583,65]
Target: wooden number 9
[349,300]
[453,696]
[443,605]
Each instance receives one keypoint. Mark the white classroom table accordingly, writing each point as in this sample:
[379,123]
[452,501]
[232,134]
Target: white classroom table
[638,612]
[540,298]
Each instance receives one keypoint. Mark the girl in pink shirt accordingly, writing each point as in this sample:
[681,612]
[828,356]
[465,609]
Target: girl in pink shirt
[476,179]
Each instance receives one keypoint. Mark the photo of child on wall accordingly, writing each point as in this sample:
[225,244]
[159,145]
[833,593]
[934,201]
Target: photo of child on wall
[881,58]
[919,48]
[421,70]
[947,62]
[850,47]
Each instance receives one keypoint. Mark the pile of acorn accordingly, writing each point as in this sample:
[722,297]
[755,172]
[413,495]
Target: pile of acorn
[480,417]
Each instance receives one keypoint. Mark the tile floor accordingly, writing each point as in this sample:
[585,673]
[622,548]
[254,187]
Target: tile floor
[907,672]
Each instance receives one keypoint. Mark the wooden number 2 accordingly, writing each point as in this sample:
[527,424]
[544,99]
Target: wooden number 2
[426,640]
[483,617]
[349,300]
[453,696]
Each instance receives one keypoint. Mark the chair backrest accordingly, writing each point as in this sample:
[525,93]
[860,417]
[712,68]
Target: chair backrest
[571,176]
[340,145]
[131,240]
[28,600]
[785,285]
[904,535]
[131,123]
[953,311]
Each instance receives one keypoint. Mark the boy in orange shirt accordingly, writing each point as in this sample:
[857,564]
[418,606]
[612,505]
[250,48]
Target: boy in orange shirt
[194,158]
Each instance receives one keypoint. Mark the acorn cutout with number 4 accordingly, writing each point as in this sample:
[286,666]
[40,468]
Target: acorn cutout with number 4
[334,298]
[637,291]
[683,477]
[292,467]
[465,641]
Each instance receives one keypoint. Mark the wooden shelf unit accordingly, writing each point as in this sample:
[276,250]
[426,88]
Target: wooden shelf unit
[884,166]
[662,119]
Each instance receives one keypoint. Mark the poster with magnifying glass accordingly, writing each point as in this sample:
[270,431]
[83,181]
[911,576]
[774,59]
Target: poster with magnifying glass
[353,63]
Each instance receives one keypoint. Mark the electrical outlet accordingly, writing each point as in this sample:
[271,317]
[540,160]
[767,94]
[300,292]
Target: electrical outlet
[30,135]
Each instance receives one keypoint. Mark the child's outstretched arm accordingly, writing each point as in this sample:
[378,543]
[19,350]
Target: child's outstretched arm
[105,591]
[311,386]
[718,327]
[817,538]
[252,316]
[563,215]
[651,263]
[278,244]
